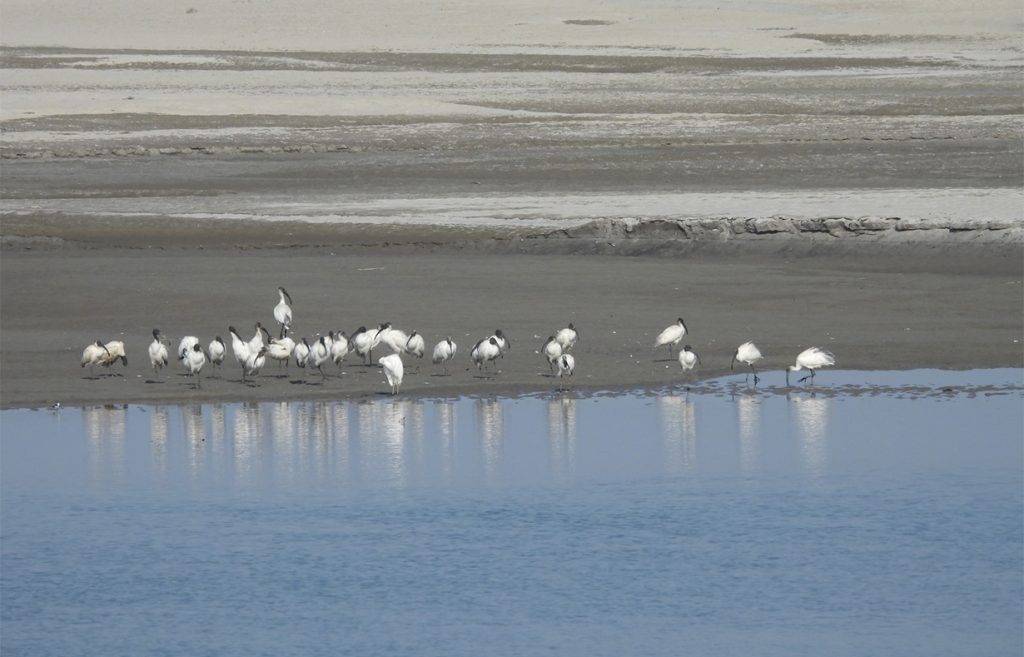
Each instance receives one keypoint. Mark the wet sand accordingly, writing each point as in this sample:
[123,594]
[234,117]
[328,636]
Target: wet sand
[873,312]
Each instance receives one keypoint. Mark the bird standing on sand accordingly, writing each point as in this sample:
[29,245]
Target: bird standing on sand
[393,371]
[216,351]
[748,354]
[256,361]
[688,359]
[503,342]
[362,343]
[241,350]
[672,335]
[444,351]
[811,359]
[339,348]
[319,353]
[157,353]
[283,311]
[94,354]
[485,351]
[552,350]
[567,337]
[566,368]
[193,359]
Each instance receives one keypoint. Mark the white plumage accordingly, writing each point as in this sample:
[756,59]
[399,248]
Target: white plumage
[566,367]
[672,335]
[240,348]
[444,351]
[301,353]
[362,342]
[811,359]
[339,348]
[393,371]
[216,351]
[552,350]
[415,346]
[485,351]
[319,353]
[115,350]
[748,354]
[94,354]
[502,341]
[688,358]
[193,359]
[256,361]
[157,353]
[567,337]
[283,311]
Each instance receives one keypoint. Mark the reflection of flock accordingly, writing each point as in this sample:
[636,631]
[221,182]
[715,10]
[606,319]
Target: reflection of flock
[334,346]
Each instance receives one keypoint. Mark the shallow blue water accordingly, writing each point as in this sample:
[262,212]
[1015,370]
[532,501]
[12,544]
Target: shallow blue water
[843,521]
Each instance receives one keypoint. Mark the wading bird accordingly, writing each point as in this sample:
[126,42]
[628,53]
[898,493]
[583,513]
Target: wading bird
[502,341]
[283,311]
[339,348]
[688,359]
[444,351]
[319,353]
[393,371]
[811,359]
[256,362]
[748,354]
[240,348]
[115,350]
[157,353]
[566,368]
[193,359]
[361,342]
[672,335]
[552,350]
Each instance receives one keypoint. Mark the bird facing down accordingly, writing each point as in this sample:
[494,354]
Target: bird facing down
[688,358]
[339,348]
[552,350]
[748,354]
[485,351]
[415,346]
[319,353]
[115,350]
[361,342]
[566,367]
[444,351]
[503,342]
[216,351]
[157,353]
[94,354]
[811,359]
[256,361]
[672,335]
[393,371]
[193,359]
[567,337]
[283,311]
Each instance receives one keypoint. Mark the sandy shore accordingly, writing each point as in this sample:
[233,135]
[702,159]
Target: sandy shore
[958,311]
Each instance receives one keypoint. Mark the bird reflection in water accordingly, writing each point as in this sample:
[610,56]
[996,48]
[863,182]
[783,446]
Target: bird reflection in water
[748,415]
[490,417]
[679,429]
[562,436]
[195,437]
[105,432]
[446,421]
[812,424]
[247,435]
[159,426]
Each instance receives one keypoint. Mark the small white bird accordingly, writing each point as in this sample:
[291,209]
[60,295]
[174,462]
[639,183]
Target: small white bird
[157,353]
[395,339]
[240,348]
[186,344]
[444,351]
[319,353]
[688,358]
[415,346]
[281,350]
[339,348]
[672,335]
[216,351]
[748,354]
[193,359]
[283,311]
[256,362]
[94,354]
[115,350]
[552,350]
[301,353]
[485,351]
[566,368]
[567,337]
[393,371]
[811,359]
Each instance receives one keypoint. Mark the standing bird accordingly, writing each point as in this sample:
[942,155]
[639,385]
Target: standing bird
[115,350]
[671,336]
[216,351]
[394,338]
[362,343]
[688,358]
[485,351]
[567,337]
[339,348]
[280,350]
[319,353]
[256,341]
[186,344]
[256,361]
[748,354]
[566,367]
[811,359]
[503,342]
[393,371]
[415,346]
[301,353]
[444,351]
[94,354]
[157,353]
[241,350]
[193,359]
[552,350]
[283,311]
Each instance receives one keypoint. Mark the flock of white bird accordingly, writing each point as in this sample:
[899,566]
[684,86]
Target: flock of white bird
[252,354]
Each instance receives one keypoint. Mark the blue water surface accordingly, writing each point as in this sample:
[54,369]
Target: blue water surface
[840,520]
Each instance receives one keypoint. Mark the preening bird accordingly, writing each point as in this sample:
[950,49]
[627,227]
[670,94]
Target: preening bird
[503,342]
[301,353]
[257,340]
[193,359]
[444,351]
[748,354]
[157,353]
[811,359]
[339,348]
[216,351]
[393,338]
[415,346]
[94,354]
[485,351]
[283,311]
[393,371]
[256,361]
[319,353]
[672,335]
[186,344]
[567,337]
[115,350]
[361,342]
[688,358]
[281,350]
[552,350]
[566,367]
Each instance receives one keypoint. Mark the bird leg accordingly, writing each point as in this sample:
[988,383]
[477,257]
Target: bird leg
[756,378]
